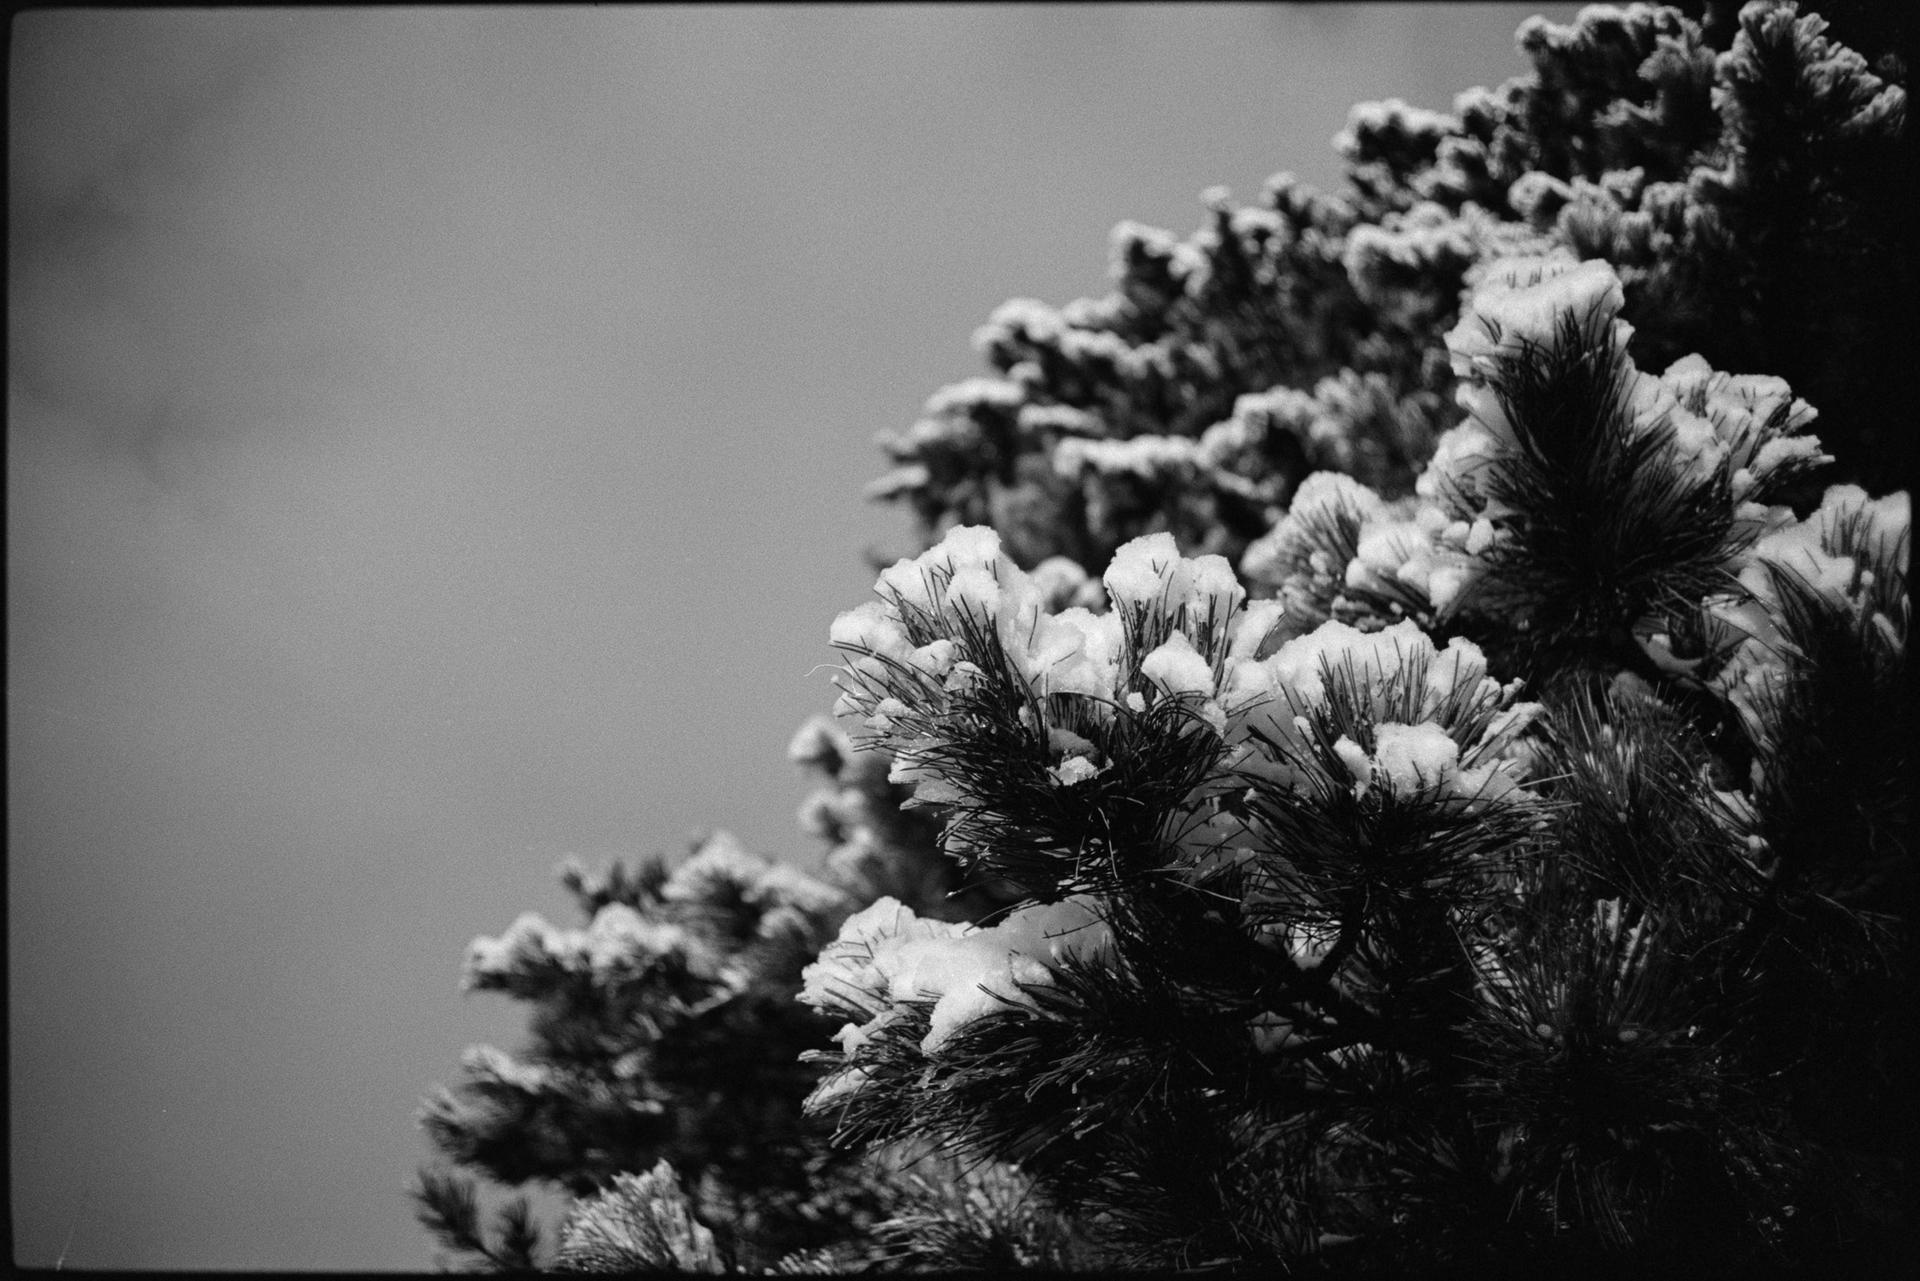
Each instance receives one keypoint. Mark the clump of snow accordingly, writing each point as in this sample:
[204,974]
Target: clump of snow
[618,943]
[1421,760]
[1413,757]
[1026,316]
[995,393]
[486,1061]
[1072,652]
[1748,426]
[1148,574]
[621,940]
[1367,121]
[1177,668]
[1145,457]
[723,869]
[1464,454]
[1358,763]
[1252,628]
[1141,572]
[819,744]
[1376,658]
[965,564]
[1408,555]
[528,941]
[1523,300]
[1130,239]
[1074,769]
[856,970]
[955,587]
[1269,699]
[887,955]
[1212,593]
[720,864]
[1810,550]
[870,625]
[1324,500]
[1519,304]
[974,590]
[1057,420]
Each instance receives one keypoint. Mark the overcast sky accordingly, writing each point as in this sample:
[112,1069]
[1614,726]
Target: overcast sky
[434,447]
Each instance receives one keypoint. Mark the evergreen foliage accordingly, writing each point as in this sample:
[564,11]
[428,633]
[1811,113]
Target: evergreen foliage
[665,1029]
[1366,774]
[643,1223]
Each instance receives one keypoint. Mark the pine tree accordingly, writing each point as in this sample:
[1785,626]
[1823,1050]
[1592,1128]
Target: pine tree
[1392,755]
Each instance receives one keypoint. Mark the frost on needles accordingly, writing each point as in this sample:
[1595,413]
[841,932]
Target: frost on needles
[1392,754]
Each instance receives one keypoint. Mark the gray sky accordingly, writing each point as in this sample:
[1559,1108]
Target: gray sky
[434,446]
